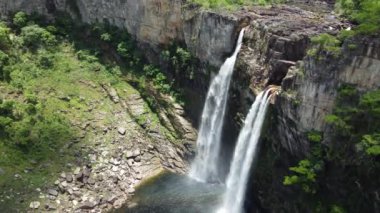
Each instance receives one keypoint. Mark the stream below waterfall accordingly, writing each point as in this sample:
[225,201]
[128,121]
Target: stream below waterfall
[173,193]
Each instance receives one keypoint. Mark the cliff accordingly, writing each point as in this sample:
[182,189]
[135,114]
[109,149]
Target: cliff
[274,52]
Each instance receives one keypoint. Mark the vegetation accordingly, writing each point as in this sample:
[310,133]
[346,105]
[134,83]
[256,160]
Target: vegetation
[349,158]
[365,12]
[305,173]
[42,70]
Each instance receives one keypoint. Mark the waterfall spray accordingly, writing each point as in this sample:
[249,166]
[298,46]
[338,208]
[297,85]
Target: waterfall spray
[244,155]
[205,165]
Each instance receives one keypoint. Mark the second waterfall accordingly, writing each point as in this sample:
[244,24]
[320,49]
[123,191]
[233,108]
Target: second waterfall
[205,165]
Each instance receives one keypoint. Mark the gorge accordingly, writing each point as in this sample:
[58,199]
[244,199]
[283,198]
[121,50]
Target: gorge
[132,102]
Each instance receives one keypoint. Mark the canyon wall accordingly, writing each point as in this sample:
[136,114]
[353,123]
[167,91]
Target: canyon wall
[274,52]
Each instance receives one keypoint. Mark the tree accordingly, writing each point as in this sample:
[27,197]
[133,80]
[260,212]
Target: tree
[20,19]
[34,36]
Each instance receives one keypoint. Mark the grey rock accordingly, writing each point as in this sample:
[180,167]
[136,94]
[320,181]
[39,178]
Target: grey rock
[121,130]
[131,190]
[111,199]
[79,176]
[69,177]
[87,205]
[52,192]
[50,207]
[91,181]
[136,153]
[118,204]
[34,205]
[129,154]
[86,172]
[77,171]
[138,159]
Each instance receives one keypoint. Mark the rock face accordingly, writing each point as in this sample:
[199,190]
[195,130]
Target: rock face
[154,24]
[315,90]
[274,52]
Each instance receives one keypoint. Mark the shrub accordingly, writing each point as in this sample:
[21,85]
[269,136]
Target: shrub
[314,136]
[5,42]
[365,12]
[20,19]
[34,36]
[106,37]
[304,174]
[4,58]
[85,55]
[370,144]
[325,44]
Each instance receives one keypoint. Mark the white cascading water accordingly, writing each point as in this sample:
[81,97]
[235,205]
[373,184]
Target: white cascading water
[244,155]
[205,165]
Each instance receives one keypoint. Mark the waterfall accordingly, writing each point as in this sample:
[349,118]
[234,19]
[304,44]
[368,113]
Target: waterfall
[205,165]
[244,155]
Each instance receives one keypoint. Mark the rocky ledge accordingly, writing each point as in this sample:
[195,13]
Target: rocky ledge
[119,157]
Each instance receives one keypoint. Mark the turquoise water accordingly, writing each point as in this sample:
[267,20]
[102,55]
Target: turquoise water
[171,193]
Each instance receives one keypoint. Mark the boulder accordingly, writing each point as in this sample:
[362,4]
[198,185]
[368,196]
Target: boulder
[53,192]
[69,177]
[87,205]
[34,205]
[121,130]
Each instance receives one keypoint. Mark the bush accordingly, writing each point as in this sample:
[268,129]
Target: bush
[20,20]
[34,36]
[304,174]
[365,12]
[4,59]
[325,44]
[370,144]
[106,37]
[5,42]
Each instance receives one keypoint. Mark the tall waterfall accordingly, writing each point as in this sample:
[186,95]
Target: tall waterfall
[205,165]
[244,155]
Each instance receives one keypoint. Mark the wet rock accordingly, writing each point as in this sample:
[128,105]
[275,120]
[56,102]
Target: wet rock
[131,190]
[132,205]
[179,164]
[34,205]
[118,204]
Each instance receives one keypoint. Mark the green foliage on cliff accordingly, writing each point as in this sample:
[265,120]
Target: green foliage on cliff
[348,159]
[20,19]
[325,44]
[306,172]
[365,12]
